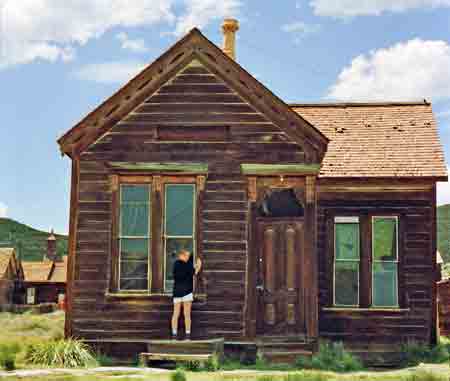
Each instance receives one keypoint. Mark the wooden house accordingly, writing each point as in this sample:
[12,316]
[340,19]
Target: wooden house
[45,281]
[11,274]
[313,221]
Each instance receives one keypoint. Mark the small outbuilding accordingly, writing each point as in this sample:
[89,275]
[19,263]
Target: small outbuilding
[11,274]
[45,281]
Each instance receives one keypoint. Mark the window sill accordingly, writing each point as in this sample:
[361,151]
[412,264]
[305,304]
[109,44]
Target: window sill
[371,309]
[146,296]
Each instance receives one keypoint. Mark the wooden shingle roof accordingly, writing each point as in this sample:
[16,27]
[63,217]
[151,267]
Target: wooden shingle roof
[397,140]
[37,271]
[6,255]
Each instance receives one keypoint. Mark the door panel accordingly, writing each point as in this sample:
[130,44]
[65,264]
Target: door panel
[279,281]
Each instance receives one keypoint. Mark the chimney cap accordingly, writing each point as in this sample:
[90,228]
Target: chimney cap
[230,24]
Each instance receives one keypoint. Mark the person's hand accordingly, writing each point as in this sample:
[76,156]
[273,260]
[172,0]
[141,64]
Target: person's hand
[198,265]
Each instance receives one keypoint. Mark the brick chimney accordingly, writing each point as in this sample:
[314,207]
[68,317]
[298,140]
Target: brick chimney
[229,29]
[51,248]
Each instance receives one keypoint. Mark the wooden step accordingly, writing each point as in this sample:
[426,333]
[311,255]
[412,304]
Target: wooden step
[186,346]
[145,358]
[285,357]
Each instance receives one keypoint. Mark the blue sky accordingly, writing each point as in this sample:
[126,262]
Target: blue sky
[60,59]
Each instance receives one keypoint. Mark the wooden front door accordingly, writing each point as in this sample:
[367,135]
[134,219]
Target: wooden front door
[280,305]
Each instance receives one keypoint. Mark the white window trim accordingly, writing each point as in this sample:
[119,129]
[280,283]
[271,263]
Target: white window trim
[345,220]
[396,261]
[194,227]
[149,238]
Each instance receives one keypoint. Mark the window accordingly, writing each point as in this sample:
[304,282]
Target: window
[155,219]
[134,237]
[346,263]
[179,225]
[385,261]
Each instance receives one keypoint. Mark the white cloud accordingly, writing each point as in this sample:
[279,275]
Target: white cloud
[51,30]
[349,8]
[415,69]
[300,29]
[136,46]
[3,210]
[117,72]
[443,192]
[199,13]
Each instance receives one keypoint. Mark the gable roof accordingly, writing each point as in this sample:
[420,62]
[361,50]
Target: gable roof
[378,139]
[59,273]
[193,46]
[6,255]
[37,271]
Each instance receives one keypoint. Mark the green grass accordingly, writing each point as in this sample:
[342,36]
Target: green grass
[443,233]
[30,243]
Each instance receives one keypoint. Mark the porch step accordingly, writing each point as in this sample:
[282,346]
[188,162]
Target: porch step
[146,358]
[176,350]
[284,350]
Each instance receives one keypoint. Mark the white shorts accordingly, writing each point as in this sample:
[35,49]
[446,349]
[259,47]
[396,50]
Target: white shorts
[183,299]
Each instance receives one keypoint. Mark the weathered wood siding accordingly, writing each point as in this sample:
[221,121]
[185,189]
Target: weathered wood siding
[417,273]
[444,307]
[195,118]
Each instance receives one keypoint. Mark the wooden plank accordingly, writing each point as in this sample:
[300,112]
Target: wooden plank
[75,174]
[279,169]
[195,118]
[161,167]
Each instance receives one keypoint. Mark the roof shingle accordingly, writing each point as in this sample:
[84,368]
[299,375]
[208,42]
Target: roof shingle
[378,140]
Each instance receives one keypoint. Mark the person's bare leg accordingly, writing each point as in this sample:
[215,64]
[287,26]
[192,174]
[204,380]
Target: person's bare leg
[175,316]
[187,307]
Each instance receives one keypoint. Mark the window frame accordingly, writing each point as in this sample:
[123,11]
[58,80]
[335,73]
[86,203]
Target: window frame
[348,220]
[165,237]
[156,264]
[397,259]
[149,237]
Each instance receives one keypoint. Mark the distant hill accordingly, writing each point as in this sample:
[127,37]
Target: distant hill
[31,243]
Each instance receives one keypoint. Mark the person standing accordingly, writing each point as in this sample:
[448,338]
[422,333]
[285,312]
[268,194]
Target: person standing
[183,276]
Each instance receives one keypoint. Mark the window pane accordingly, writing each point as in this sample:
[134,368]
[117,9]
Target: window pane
[347,241]
[173,246]
[134,220]
[134,249]
[135,193]
[133,269]
[134,284]
[385,284]
[346,283]
[180,209]
[385,239]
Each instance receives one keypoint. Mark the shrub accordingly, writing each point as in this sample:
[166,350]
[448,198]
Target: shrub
[178,375]
[331,356]
[8,353]
[416,353]
[104,360]
[64,353]
[212,364]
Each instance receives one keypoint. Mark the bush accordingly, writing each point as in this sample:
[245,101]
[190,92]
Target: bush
[64,353]
[8,353]
[212,364]
[331,356]
[178,375]
[416,353]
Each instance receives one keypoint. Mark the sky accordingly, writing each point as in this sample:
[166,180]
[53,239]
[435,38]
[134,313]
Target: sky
[60,59]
